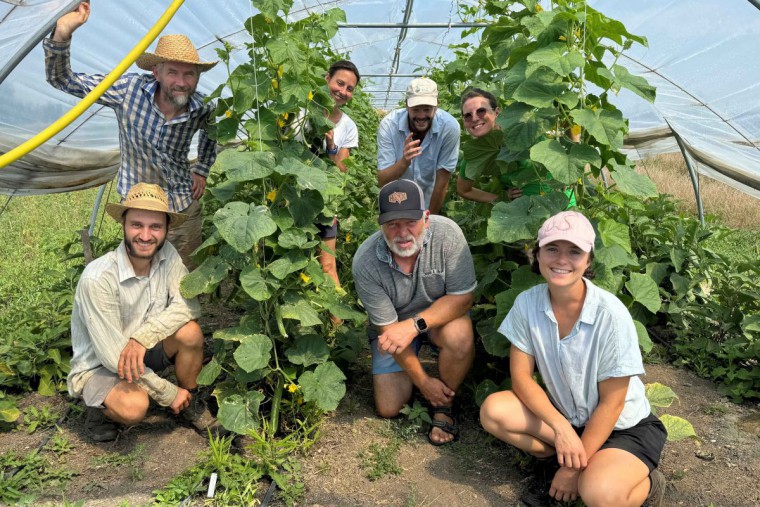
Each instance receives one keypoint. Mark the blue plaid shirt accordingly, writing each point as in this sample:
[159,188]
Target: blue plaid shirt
[153,150]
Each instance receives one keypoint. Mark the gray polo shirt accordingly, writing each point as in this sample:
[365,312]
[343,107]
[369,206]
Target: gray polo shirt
[444,266]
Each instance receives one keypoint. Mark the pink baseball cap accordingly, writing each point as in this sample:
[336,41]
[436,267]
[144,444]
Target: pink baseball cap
[568,226]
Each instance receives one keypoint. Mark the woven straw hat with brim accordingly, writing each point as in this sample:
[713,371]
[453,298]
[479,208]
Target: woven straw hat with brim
[173,48]
[146,197]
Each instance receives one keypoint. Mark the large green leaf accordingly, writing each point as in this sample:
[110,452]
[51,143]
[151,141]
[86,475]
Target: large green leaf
[245,165]
[240,413]
[254,352]
[644,291]
[645,342]
[607,127]
[307,350]
[308,177]
[523,125]
[303,312]
[494,343]
[242,225]
[620,77]
[481,152]
[293,238]
[254,284]
[660,395]
[209,373]
[615,256]
[678,428]
[247,85]
[556,57]
[325,386]
[9,412]
[632,183]
[613,232]
[543,93]
[291,262]
[566,167]
[205,278]
[293,87]
[304,207]
[504,301]
[286,49]
[751,323]
[485,389]
[521,218]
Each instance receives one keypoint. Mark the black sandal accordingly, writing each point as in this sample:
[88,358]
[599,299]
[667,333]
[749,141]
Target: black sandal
[451,429]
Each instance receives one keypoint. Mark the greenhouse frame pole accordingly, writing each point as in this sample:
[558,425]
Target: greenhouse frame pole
[95,208]
[692,174]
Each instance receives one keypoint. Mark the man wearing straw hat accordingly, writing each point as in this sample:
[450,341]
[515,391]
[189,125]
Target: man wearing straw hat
[158,115]
[130,322]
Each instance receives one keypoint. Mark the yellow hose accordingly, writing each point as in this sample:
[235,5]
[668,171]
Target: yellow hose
[62,122]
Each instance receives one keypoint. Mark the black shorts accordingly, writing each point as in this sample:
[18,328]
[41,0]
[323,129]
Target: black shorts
[645,440]
[328,231]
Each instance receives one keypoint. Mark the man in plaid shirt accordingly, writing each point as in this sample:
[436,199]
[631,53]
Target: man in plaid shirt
[158,116]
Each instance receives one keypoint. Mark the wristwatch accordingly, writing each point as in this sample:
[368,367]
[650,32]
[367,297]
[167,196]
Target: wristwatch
[419,324]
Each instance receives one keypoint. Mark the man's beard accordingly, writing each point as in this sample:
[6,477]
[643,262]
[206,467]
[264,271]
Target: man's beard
[409,251]
[179,100]
[132,251]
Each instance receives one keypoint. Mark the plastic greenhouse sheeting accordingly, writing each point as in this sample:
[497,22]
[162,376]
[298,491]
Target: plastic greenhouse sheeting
[700,58]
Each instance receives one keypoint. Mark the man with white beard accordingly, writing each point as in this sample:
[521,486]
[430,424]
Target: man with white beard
[158,115]
[415,277]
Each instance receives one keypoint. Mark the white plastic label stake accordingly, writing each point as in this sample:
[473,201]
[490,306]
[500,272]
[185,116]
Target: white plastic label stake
[211,486]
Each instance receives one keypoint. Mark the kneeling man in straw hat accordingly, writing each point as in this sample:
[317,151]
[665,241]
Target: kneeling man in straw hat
[158,115]
[130,322]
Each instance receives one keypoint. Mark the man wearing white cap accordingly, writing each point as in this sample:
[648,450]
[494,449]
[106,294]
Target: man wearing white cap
[419,143]
[130,322]
[158,116]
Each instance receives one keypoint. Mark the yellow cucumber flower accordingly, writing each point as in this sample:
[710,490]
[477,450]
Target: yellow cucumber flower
[280,69]
[305,278]
[292,388]
[275,84]
[272,195]
[539,8]
[348,237]
[311,96]
[575,130]
[228,113]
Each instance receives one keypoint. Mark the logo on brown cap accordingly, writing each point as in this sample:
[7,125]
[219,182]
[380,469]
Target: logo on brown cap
[397,197]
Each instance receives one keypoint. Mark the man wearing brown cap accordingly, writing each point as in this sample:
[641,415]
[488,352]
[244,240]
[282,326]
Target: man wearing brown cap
[415,277]
[130,322]
[419,143]
[158,116]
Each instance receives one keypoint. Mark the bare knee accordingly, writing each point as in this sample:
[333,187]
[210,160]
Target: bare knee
[190,336]
[387,411]
[457,338]
[127,407]
[496,409]
[596,494]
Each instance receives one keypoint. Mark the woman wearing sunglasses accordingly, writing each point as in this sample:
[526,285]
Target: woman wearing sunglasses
[479,113]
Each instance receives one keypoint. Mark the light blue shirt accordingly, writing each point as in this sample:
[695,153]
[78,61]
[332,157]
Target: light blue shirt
[440,148]
[602,344]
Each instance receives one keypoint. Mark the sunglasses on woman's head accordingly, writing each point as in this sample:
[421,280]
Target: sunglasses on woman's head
[481,112]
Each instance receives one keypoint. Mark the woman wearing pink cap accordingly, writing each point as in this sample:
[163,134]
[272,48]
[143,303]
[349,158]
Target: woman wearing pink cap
[593,423]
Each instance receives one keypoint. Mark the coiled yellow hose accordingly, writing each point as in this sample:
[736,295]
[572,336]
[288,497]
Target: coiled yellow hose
[61,123]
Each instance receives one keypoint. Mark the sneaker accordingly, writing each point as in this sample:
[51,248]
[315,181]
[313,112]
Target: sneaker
[536,493]
[198,415]
[98,427]
[656,489]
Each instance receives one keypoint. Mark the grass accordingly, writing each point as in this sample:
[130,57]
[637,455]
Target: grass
[732,208]
[34,229]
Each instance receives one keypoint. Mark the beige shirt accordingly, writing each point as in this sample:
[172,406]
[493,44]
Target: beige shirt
[112,305]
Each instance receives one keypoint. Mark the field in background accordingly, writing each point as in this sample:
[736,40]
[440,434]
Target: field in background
[33,230]
[732,208]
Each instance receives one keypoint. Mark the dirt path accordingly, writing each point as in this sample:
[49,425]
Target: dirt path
[722,468]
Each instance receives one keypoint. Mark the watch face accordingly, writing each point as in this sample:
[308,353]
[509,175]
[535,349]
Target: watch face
[421,324]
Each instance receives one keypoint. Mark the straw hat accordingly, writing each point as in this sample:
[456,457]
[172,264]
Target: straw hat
[147,197]
[173,48]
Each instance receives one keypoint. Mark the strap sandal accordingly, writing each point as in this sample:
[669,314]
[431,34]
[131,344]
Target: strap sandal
[450,428]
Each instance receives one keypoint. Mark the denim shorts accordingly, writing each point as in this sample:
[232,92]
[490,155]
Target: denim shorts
[384,362]
[102,381]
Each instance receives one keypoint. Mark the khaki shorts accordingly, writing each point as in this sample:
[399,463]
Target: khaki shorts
[188,236]
[102,381]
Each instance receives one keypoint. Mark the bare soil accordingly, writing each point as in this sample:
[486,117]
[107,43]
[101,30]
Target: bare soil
[720,468]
